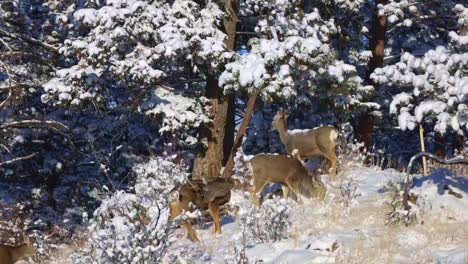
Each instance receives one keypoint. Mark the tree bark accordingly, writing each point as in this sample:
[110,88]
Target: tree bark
[377,42]
[377,45]
[439,146]
[216,139]
[240,134]
[458,142]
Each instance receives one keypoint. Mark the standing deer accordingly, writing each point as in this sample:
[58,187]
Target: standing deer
[289,171]
[319,141]
[14,244]
[203,196]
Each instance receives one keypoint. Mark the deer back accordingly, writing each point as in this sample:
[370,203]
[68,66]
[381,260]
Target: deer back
[282,169]
[275,168]
[201,194]
[312,142]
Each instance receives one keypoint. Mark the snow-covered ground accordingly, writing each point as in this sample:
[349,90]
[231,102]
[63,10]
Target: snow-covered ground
[348,227]
[330,232]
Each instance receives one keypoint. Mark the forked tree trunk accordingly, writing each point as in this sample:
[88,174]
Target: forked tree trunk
[240,134]
[209,158]
[377,45]
[216,139]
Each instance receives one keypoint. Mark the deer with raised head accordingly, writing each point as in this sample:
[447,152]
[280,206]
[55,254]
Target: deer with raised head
[204,196]
[14,245]
[307,143]
[286,170]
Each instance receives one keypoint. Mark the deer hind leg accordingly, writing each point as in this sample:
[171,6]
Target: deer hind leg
[213,207]
[257,189]
[293,186]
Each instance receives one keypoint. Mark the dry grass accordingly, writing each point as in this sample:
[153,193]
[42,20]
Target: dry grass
[380,243]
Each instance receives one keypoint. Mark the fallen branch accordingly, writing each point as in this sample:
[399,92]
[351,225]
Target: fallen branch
[407,181]
[8,162]
[35,124]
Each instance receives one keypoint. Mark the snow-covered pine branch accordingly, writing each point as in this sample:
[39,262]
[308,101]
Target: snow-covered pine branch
[294,55]
[125,49]
[436,89]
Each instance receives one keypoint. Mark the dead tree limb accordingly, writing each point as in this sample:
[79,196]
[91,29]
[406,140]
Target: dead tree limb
[29,40]
[407,182]
[240,134]
[8,162]
[34,124]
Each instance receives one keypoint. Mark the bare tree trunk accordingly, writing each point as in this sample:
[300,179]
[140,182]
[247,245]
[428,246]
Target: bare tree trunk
[240,134]
[377,44]
[458,142]
[209,158]
[439,145]
[216,139]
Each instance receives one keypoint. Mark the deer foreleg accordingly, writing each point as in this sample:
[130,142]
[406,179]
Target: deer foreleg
[191,232]
[213,207]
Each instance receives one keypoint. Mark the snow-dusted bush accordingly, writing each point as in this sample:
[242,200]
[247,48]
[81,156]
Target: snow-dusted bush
[241,172]
[134,227]
[348,191]
[398,213]
[351,154]
[435,89]
[268,223]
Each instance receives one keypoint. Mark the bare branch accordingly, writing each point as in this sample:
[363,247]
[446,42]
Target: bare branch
[8,162]
[15,85]
[407,181]
[35,124]
[247,33]
[5,44]
[6,100]
[29,40]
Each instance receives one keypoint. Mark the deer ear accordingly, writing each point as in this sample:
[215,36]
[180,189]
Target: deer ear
[286,114]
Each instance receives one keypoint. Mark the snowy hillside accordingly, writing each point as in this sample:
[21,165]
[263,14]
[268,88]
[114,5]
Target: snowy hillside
[329,232]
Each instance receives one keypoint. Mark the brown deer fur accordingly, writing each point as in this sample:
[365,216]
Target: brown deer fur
[204,196]
[10,254]
[289,171]
[308,142]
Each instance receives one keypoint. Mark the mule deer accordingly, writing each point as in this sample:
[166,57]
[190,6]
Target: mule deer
[203,196]
[289,171]
[319,141]
[14,246]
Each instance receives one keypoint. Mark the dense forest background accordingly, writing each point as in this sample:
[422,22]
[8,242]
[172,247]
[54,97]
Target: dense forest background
[95,93]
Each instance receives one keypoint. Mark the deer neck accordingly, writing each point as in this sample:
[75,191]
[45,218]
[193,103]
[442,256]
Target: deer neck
[283,132]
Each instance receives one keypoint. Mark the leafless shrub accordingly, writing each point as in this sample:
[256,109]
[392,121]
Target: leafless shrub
[268,223]
[348,191]
[399,214]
